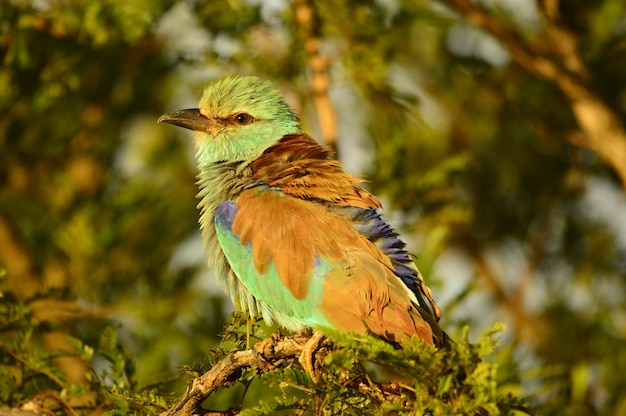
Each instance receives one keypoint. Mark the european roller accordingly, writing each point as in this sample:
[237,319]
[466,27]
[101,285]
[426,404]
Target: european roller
[290,234]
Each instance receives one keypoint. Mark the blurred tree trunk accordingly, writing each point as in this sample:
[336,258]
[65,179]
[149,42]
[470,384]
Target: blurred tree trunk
[308,21]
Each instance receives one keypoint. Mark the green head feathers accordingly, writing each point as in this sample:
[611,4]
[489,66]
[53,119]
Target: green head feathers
[237,119]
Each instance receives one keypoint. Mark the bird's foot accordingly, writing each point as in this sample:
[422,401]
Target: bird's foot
[265,348]
[268,343]
[308,355]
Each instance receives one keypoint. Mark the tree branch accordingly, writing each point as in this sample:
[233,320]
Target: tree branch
[306,18]
[565,68]
[265,356]
[512,302]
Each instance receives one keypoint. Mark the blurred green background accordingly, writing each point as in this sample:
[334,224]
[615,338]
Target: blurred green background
[514,212]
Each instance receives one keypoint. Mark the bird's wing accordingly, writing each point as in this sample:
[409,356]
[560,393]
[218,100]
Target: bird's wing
[301,168]
[309,263]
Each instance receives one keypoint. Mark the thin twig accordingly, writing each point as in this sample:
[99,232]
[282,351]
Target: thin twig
[29,365]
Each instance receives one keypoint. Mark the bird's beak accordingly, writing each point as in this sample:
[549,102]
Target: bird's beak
[190,118]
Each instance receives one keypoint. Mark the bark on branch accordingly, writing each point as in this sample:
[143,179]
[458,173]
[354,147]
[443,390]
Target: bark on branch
[265,356]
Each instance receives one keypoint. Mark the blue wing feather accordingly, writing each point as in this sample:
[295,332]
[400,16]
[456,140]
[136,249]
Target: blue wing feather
[370,223]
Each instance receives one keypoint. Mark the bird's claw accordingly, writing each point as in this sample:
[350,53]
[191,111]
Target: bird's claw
[262,345]
[308,357]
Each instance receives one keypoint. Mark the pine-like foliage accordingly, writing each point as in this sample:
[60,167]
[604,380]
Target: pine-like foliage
[357,375]
[32,378]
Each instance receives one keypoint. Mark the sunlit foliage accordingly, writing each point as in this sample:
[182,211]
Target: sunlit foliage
[106,299]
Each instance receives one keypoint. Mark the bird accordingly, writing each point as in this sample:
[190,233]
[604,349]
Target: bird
[291,235]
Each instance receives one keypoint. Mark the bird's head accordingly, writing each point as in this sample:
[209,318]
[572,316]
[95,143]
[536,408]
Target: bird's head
[237,119]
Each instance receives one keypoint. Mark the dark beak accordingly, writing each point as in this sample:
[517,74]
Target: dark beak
[190,118]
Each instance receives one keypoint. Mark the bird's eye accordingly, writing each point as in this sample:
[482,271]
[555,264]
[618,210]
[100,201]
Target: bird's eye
[243,118]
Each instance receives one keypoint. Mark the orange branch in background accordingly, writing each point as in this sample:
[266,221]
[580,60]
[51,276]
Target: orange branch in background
[318,64]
